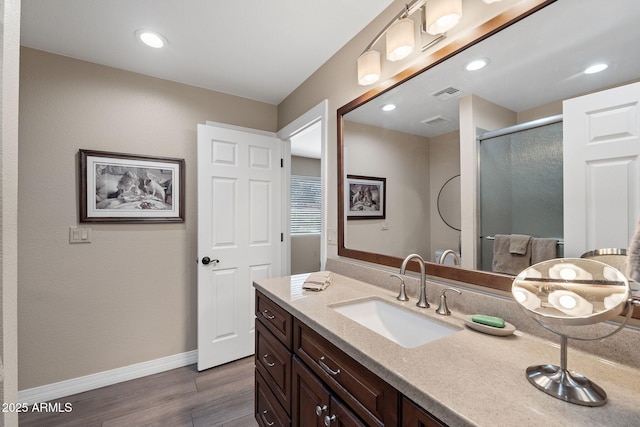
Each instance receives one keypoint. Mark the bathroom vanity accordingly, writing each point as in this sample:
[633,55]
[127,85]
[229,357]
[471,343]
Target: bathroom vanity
[315,366]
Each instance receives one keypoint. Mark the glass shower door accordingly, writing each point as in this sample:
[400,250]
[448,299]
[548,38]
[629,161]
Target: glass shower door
[520,185]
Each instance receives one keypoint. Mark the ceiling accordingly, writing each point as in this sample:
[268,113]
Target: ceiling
[256,49]
[534,62]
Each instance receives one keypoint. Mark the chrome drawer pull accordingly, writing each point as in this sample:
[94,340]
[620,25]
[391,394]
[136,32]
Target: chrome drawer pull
[266,314]
[326,368]
[269,364]
[264,418]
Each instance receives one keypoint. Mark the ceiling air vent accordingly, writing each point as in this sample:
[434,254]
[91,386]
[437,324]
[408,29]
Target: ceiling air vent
[447,93]
[435,121]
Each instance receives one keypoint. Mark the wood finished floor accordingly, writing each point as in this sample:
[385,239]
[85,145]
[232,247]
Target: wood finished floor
[183,397]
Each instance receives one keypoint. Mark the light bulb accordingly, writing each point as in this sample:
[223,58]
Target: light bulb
[151,38]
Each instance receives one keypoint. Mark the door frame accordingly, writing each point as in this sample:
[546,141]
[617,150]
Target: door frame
[319,113]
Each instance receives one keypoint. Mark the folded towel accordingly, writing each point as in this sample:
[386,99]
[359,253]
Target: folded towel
[318,281]
[506,262]
[519,244]
[543,249]
[633,256]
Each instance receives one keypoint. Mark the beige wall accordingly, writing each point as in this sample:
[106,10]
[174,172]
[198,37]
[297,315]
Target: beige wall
[130,295]
[444,164]
[402,159]
[305,166]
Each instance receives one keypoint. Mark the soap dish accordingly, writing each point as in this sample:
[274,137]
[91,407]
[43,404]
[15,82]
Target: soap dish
[491,330]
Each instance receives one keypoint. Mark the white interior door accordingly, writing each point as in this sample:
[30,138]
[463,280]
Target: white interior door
[601,169]
[239,236]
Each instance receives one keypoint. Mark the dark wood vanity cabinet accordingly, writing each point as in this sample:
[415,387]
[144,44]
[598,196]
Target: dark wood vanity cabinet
[273,364]
[314,404]
[415,416]
[304,380]
[372,399]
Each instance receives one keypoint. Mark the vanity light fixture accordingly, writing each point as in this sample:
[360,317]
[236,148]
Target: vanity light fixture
[476,64]
[442,15]
[388,107]
[596,68]
[436,18]
[368,67]
[151,38]
[400,39]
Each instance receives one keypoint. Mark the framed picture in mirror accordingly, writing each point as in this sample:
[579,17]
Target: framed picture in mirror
[367,197]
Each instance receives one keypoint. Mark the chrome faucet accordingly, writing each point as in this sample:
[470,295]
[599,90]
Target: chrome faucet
[442,308]
[422,300]
[456,259]
[402,296]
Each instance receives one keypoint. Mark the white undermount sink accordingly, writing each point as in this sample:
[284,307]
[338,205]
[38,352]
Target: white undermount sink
[395,323]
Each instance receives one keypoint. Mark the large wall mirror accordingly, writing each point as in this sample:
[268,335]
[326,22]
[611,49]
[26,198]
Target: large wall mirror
[536,61]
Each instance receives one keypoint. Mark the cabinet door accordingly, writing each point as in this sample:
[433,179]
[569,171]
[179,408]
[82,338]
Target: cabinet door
[341,416]
[310,398]
[414,416]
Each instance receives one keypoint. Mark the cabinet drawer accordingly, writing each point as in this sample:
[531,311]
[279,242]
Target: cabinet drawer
[273,361]
[268,412]
[370,397]
[275,318]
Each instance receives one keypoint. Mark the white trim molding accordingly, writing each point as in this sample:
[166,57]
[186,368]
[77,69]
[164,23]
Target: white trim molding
[101,379]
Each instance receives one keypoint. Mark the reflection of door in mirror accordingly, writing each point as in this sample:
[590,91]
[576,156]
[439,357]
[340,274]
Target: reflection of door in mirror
[520,185]
[415,168]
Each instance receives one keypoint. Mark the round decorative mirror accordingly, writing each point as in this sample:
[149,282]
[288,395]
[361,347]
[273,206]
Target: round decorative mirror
[570,292]
[449,203]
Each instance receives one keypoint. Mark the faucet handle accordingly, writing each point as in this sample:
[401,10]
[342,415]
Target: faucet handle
[402,296]
[442,308]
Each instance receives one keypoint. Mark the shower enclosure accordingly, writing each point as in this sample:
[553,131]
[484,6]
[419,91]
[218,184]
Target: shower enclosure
[520,183]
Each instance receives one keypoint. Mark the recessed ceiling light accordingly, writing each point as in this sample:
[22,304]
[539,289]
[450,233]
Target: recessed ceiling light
[596,68]
[388,107]
[476,64]
[151,38]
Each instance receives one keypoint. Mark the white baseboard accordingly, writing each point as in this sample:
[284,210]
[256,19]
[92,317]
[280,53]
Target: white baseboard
[101,379]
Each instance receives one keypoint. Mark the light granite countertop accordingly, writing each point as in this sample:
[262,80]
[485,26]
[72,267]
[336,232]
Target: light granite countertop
[468,378]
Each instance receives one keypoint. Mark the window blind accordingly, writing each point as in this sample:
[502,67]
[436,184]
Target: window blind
[306,209]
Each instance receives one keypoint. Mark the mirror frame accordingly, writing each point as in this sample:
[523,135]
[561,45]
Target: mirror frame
[469,38]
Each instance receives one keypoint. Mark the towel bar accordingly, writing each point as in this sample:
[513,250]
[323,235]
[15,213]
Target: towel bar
[560,241]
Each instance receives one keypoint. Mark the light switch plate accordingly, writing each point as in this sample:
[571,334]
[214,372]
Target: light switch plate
[79,235]
[331,236]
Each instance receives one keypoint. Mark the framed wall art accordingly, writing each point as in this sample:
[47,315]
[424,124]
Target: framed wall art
[367,197]
[118,187]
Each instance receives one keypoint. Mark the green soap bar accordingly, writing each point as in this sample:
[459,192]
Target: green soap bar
[483,319]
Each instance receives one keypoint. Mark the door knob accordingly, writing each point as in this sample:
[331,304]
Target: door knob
[206,261]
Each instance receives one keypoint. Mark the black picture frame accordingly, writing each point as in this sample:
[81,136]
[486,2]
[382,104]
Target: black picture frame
[132,188]
[366,197]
